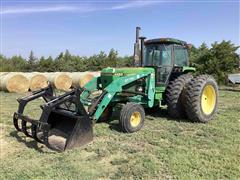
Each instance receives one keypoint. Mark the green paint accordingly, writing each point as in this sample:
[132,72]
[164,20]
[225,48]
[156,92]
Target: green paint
[114,82]
[117,86]
[136,84]
[187,69]
[108,75]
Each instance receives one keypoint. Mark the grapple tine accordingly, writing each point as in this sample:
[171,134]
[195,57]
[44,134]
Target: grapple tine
[45,137]
[59,126]
[15,123]
[34,133]
[24,128]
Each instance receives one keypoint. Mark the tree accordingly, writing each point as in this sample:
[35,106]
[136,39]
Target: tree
[18,63]
[126,61]
[66,62]
[220,60]
[46,65]
[96,62]
[111,60]
[32,62]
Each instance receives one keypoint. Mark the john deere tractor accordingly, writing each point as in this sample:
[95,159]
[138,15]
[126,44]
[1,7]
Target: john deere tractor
[161,76]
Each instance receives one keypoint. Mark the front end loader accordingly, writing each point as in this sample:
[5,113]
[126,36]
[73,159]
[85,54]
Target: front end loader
[161,77]
[64,123]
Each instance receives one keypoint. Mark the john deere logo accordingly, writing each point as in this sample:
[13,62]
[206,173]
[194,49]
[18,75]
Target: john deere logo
[118,74]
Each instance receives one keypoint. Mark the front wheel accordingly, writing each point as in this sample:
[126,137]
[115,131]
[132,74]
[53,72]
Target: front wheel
[132,117]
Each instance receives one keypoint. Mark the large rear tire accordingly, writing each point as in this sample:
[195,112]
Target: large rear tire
[132,117]
[201,98]
[174,96]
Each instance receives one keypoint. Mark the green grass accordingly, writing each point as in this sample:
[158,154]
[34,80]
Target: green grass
[163,149]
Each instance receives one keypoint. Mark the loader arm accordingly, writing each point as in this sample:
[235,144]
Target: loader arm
[96,109]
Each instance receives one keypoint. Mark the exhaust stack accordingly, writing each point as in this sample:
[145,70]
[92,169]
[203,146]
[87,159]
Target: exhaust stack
[136,55]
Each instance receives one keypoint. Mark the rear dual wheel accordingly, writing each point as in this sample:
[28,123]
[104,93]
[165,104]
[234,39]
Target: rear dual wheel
[175,96]
[195,98]
[201,98]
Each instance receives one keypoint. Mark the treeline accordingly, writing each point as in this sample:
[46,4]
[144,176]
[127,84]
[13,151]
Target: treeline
[218,60]
[64,62]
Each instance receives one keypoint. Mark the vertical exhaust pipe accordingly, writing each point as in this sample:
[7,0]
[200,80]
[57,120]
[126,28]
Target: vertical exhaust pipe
[137,34]
[138,49]
[136,55]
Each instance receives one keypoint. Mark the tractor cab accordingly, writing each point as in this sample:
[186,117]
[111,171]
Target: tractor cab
[167,56]
[165,52]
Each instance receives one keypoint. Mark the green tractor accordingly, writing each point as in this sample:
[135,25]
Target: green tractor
[161,76]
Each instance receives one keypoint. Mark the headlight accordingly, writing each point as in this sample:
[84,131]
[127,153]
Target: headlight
[139,89]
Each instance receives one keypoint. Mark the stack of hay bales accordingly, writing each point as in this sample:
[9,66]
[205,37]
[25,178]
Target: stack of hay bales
[22,82]
[14,82]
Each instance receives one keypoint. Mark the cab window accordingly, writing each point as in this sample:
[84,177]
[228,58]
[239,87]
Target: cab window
[180,56]
[158,55]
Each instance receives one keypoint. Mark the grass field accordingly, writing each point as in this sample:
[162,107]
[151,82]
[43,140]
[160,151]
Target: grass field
[163,149]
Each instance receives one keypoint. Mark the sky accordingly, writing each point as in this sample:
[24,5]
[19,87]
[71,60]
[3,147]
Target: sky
[87,27]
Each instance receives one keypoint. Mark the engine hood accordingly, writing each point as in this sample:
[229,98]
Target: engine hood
[125,71]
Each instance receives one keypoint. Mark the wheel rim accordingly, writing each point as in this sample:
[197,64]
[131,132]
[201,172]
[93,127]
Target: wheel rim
[208,99]
[135,119]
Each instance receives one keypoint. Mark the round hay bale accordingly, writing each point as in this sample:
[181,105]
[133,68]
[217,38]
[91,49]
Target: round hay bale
[3,73]
[85,79]
[37,81]
[76,76]
[14,82]
[61,81]
[95,74]
[81,78]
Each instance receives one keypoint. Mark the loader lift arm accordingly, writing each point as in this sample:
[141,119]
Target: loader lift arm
[108,94]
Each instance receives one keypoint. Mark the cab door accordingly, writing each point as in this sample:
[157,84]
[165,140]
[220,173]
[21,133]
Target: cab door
[164,68]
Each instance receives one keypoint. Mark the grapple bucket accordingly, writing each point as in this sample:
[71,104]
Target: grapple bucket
[64,123]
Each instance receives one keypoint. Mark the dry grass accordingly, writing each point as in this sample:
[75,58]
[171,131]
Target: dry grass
[163,149]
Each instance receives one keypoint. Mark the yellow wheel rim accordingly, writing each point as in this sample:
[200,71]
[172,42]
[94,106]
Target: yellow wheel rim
[208,99]
[135,119]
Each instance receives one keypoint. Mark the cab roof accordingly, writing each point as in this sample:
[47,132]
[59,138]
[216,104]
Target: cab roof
[166,40]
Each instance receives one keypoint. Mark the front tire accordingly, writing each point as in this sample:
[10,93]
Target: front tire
[201,98]
[132,117]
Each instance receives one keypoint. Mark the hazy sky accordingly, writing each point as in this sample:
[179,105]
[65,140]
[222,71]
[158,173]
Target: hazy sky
[87,27]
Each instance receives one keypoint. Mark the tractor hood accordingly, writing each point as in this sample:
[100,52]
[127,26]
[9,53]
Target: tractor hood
[124,71]
[108,75]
